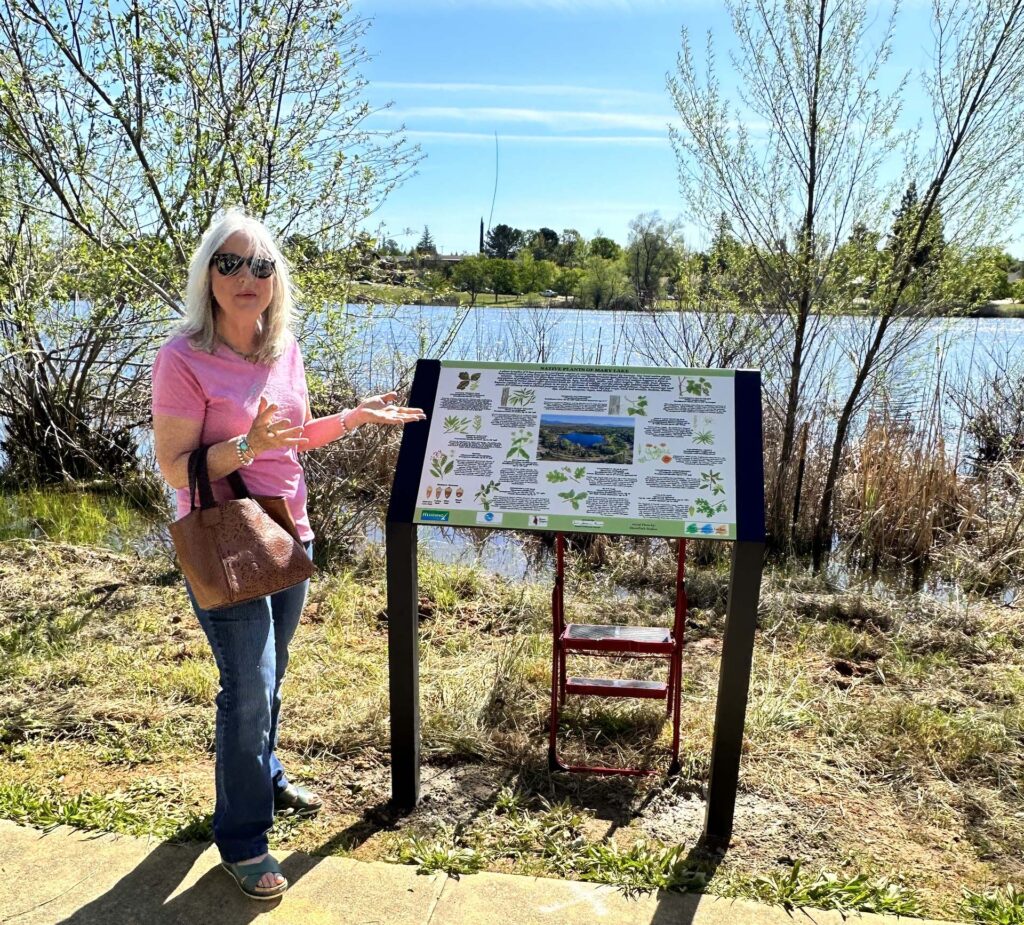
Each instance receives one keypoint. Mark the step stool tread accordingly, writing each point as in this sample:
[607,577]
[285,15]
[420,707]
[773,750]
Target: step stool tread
[616,687]
[590,632]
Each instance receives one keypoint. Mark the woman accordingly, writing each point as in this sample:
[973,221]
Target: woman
[233,379]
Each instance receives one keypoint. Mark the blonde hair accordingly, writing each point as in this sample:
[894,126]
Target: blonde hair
[275,322]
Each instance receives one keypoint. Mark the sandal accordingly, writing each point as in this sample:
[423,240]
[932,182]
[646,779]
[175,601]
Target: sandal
[297,800]
[247,876]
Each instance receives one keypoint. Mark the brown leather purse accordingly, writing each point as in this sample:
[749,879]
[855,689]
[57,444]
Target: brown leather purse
[239,550]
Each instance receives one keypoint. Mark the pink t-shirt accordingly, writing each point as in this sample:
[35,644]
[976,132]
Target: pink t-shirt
[223,391]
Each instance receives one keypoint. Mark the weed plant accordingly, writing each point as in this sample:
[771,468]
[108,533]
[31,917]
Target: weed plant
[998,907]
[826,890]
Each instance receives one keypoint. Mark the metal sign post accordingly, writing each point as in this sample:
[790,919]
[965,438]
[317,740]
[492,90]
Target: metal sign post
[431,486]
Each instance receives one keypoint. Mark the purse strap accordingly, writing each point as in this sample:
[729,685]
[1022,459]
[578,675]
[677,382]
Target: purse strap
[199,478]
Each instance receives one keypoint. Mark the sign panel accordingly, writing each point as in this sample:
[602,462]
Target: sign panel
[581,449]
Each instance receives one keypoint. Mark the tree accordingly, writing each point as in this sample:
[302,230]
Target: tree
[137,123]
[809,73]
[145,122]
[503,242]
[534,275]
[572,249]
[504,276]
[923,254]
[603,283]
[425,245]
[601,246]
[567,281]
[544,244]
[971,279]
[650,256]
[72,370]
[471,275]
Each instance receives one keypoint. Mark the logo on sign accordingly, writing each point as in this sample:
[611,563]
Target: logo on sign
[488,517]
[538,520]
[441,516]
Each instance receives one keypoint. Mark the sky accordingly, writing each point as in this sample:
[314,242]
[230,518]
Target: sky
[575,91]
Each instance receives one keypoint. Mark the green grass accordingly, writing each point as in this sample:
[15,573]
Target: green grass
[76,517]
[998,907]
[149,807]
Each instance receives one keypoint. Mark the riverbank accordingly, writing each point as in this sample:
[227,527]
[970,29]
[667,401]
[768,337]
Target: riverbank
[879,771]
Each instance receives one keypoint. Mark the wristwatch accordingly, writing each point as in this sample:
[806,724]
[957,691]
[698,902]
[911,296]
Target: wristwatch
[245,452]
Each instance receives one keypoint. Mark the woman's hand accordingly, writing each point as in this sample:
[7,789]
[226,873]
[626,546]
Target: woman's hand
[268,433]
[381,409]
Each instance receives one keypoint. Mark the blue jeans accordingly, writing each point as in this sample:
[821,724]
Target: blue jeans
[250,645]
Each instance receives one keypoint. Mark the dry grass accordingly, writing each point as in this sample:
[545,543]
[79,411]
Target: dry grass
[883,738]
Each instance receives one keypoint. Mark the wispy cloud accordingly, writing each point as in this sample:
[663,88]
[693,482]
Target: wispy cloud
[599,94]
[565,120]
[628,140]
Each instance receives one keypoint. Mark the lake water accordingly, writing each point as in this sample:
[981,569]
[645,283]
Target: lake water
[937,354]
[583,439]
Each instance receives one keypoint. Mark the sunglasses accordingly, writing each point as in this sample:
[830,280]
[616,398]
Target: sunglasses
[230,264]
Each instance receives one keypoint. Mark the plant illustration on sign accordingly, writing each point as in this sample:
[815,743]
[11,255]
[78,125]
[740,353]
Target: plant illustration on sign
[712,481]
[637,406]
[468,381]
[694,385]
[651,451]
[566,473]
[573,497]
[706,508]
[441,464]
[522,398]
[478,422]
[484,494]
[703,435]
[521,439]
[453,424]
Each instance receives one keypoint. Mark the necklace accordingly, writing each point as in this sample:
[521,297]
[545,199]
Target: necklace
[250,357]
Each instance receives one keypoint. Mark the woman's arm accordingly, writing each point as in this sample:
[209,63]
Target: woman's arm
[175,438]
[377,409]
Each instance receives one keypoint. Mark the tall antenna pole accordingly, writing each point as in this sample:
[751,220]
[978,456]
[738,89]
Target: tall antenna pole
[495,196]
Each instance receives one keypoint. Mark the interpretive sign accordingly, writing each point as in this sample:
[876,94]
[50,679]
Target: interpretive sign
[619,450]
[599,449]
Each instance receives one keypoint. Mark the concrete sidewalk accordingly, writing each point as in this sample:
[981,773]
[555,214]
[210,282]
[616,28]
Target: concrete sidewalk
[88,879]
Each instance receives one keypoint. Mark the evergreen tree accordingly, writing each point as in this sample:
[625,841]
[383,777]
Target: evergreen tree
[426,243]
[503,241]
[928,250]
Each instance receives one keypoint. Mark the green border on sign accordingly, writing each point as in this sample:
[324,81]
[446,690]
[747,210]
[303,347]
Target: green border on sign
[573,523]
[576,523]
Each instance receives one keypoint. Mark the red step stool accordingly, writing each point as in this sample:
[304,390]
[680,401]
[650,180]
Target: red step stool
[612,640]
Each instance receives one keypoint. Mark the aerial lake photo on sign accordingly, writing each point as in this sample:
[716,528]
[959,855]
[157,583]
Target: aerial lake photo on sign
[585,438]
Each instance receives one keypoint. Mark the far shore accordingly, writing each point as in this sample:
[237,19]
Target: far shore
[362,293]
